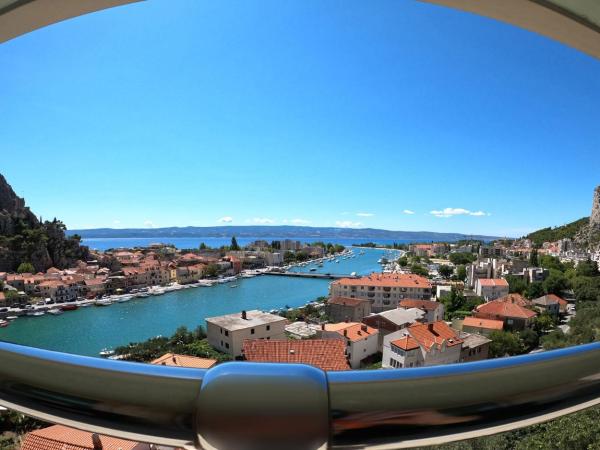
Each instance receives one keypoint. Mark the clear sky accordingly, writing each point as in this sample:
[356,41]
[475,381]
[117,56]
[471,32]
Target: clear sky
[390,114]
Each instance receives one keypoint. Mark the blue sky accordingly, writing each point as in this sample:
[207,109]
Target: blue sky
[388,114]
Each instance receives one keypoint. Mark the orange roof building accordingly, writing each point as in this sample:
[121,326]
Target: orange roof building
[175,360]
[383,290]
[513,315]
[483,326]
[361,340]
[59,437]
[326,354]
[422,344]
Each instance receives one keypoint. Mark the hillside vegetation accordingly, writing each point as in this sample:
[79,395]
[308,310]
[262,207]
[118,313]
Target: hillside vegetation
[554,234]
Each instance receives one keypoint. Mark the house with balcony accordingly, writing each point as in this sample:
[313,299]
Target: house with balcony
[59,291]
[428,344]
[393,320]
[384,291]
[361,340]
[227,333]
[491,288]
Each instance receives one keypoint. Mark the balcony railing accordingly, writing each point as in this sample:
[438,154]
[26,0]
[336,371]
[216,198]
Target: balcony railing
[248,405]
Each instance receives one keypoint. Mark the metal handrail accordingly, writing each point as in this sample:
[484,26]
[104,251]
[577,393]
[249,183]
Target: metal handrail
[252,405]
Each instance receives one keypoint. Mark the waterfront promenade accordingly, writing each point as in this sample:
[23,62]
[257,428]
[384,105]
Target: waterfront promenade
[86,331]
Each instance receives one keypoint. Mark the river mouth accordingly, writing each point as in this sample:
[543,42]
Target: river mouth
[88,330]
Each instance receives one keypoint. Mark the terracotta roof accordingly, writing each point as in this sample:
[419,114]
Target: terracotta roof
[491,282]
[503,309]
[430,334]
[406,343]
[549,299]
[354,331]
[516,299]
[347,301]
[326,354]
[171,359]
[489,324]
[427,305]
[387,280]
[58,437]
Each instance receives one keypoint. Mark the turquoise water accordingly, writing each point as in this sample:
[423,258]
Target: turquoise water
[88,330]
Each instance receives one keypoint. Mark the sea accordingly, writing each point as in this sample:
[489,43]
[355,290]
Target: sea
[87,331]
[103,244]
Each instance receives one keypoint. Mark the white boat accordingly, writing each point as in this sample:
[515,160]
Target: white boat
[9,318]
[4,323]
[55,311]
[353,274]
[106,352]
[123,298]
[36,313]
[103,302]
[233,286]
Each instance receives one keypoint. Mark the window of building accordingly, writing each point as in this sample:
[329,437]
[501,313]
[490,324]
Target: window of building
[268,327]
[226,345]
[252,331]
[226,332]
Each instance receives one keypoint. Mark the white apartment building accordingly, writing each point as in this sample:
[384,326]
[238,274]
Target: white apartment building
[491,288]
[428,344]
[385,291]
[227,333]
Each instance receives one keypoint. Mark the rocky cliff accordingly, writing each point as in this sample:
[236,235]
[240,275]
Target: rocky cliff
[589,236]
[23,238]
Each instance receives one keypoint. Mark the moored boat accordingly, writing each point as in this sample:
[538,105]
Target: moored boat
[69,307]
[55,311]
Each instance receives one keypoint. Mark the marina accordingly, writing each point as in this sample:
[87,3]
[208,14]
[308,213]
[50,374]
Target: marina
[89,327]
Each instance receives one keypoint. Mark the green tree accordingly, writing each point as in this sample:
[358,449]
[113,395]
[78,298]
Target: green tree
[529,338]
[543,323]
[26,267]
[418,269]
[403,261]
[212,270]
[202,246]
[505,343]
[445,271]
[516,284]
[551,262]
[234,245]
[587,268]
[533,258]
[462,258]
[461,273]
[556,282]
[535,290]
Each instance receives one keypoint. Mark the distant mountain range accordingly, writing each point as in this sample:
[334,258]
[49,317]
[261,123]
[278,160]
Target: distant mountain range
[291,232]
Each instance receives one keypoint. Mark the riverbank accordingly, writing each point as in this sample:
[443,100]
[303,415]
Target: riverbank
[87,330]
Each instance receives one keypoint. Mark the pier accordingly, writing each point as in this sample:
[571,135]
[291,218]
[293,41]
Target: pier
[325,276]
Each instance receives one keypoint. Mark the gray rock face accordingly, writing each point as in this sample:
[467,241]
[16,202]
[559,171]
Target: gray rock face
[595,217]
[24,239]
